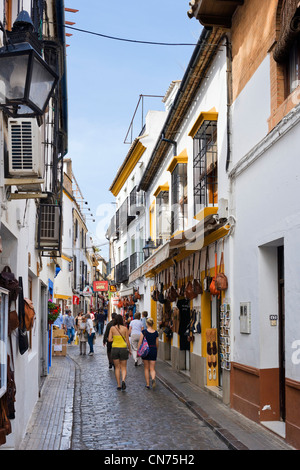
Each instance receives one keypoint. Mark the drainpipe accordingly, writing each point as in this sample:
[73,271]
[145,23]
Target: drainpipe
[229,98]
[173,142]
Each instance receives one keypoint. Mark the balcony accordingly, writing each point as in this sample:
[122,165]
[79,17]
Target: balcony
[136,202]
[122,271]
[135,260]
[124,217]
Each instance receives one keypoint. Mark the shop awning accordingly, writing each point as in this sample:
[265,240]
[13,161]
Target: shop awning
[126,292]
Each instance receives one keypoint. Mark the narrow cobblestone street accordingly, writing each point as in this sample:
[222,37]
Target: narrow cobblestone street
[134,419]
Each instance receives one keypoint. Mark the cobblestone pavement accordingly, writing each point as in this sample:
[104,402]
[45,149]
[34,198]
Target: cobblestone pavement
[135,419]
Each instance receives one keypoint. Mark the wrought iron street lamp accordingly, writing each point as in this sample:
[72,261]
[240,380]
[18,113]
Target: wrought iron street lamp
[149,247]
[26,80]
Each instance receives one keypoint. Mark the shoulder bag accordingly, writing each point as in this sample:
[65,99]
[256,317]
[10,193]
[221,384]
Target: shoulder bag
[144,348]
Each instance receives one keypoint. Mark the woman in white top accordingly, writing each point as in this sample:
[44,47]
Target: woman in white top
[135,329]
[91,333]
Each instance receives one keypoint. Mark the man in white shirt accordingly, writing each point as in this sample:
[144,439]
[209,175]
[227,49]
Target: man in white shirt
[91,333]
[135,329]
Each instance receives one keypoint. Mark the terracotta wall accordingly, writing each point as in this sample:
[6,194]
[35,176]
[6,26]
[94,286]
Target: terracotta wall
[253,389]
[253,33]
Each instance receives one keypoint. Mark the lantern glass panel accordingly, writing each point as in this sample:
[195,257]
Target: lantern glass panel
[13,74]
[41,84]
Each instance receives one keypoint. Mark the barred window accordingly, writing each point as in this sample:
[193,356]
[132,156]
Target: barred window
[162,217]
[179,197]
[205,166]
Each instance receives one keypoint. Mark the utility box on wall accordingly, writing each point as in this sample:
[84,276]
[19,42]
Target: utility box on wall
[245,317]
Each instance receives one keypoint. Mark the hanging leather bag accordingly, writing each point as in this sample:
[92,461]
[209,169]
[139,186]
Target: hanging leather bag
[189,291]
[137,294]
[213,289]
[9,282]
[161,297]
[221,281]
[13,321]
[207,279]
[197,286]
[22,337]
[29,314]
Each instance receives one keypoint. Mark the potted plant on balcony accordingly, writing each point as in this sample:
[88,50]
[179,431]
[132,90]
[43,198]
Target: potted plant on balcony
[53,311]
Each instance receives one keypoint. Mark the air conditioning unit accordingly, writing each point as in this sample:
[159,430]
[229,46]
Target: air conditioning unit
[49,227]
[25,157]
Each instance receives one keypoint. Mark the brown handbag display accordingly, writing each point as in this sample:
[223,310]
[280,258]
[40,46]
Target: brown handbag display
[137,294]
[9,282]
[29,314]
[221,281]
[213,288]
[207,279]
[197,286]
[189,291]
[13,321]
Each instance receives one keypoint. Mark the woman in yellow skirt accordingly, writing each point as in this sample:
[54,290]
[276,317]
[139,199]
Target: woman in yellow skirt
[119,337]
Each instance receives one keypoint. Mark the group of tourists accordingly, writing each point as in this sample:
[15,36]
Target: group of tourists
[121,342]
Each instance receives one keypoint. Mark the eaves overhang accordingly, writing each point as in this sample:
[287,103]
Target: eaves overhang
[214,12]
[206,49]
[135,152]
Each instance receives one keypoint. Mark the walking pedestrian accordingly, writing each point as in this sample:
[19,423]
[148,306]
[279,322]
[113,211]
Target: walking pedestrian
[135,329]
[119,336]
[82,334]
[100,318]
[91,333]
[69,325]
[151,336]
[144,318]
[105,339]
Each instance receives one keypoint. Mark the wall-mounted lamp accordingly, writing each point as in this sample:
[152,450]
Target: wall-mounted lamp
[26,80]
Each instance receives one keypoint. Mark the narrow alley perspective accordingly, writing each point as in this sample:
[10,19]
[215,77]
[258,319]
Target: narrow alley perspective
[80,408]
[149,225]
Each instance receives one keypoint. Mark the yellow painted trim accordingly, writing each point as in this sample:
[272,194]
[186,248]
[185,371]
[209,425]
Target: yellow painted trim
[177,233]
[64,297]
[176,160]
[207,211]
[211,115]
[128,168]
[68,195]
[164,187]
[66,258]
[222,232]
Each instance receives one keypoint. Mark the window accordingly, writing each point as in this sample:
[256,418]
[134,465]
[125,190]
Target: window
[205,166]
[285,62]
[293,68]
[162,217]
[179,197]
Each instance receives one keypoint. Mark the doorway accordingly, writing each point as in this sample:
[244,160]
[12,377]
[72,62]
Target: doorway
[281,331]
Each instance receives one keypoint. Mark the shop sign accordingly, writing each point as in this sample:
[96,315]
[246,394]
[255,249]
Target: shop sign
[112,289]
[159,257]
[87,290]
[100,286]
[76,300]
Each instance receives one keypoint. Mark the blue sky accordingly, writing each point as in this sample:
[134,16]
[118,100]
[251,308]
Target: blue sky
[106,78]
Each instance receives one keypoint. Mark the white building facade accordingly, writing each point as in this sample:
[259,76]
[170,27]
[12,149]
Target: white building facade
[29,199]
